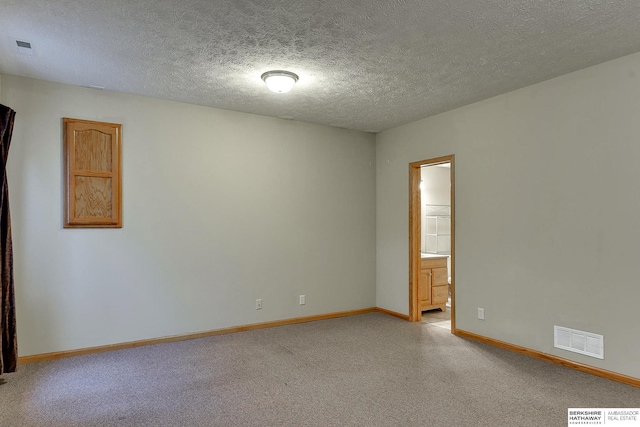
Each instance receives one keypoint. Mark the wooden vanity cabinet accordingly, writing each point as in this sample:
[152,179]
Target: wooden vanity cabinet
[433,283]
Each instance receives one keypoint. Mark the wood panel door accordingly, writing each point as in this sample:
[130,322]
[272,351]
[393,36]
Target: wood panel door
[92,153]
[425,287]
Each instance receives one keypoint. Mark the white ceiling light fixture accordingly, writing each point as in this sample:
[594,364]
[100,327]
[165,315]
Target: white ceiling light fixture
[280,81]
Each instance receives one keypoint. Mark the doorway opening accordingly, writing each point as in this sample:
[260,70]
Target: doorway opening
[432,239]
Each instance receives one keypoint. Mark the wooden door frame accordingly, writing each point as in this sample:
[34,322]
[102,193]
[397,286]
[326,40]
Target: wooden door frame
[415,315]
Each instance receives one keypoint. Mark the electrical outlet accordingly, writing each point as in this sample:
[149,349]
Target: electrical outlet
[481,313]
[303,300]
[258,304]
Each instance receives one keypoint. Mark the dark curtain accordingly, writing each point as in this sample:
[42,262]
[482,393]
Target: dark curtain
[9,354]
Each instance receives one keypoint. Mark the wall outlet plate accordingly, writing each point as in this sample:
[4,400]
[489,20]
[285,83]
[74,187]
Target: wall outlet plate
[303,300]
[258,304]
[481,313]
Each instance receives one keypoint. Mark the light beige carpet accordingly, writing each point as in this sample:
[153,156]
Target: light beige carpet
[366,370]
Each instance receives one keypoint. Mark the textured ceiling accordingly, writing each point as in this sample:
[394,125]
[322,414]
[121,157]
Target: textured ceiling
[366,65]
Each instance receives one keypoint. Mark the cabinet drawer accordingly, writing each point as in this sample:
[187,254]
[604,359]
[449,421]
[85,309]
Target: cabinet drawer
[440,277]
[440,294]
[433,262]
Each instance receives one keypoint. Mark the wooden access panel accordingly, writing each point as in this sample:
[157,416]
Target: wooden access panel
[93,184]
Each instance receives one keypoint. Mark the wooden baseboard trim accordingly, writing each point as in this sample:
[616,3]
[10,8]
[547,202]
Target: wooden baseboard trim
[132,344]
[392,313]
[550,358]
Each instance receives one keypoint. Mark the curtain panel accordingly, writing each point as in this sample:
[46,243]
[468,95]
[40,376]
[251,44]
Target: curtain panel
[9,353]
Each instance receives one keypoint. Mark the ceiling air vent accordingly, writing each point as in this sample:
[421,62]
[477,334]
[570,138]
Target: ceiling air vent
[24,47]
[578,341]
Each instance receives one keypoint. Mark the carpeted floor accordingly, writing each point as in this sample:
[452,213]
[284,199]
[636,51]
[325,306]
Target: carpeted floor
[366,370]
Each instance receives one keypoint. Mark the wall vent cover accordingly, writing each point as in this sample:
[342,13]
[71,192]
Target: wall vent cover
[578,341]
[24,47]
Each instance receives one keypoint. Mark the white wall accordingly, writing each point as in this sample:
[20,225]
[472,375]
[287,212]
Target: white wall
[435,187]
[547,209]
[220,208]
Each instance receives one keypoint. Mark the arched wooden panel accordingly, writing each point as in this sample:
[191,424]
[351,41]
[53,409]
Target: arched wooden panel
[93,187]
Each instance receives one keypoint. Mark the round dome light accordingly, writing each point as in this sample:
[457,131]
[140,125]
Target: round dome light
[280,81]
